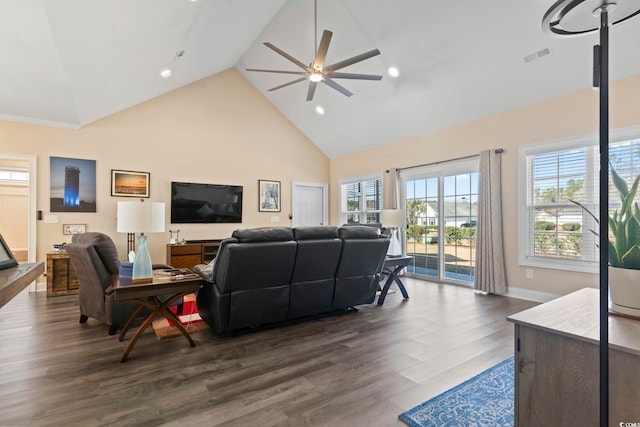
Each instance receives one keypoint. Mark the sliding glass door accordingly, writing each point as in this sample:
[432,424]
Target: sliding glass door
[441,209]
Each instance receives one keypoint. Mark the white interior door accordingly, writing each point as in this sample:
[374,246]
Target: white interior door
[309,202]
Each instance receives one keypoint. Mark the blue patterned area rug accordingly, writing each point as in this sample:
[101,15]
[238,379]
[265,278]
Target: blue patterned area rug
[484,400]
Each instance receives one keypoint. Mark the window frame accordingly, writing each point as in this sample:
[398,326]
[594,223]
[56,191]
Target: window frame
[363,198]
[525,233]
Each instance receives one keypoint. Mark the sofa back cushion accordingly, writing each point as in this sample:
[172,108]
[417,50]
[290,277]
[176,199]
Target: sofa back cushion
[363,251]
[255,262]
[362,258]
[318,253]
[255,235]
[312,283]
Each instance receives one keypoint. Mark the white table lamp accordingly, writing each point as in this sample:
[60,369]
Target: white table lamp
[393,219]
[141,217]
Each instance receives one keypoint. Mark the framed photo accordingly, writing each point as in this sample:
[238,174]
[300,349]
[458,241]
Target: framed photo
[7,260]
[269,196]
[129,183]
[73,185]
[74,228]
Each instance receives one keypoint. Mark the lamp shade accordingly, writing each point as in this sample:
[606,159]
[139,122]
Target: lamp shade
[392,218]
[140,217]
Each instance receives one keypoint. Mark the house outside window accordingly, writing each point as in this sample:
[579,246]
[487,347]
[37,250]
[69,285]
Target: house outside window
[555,232]
[361,200]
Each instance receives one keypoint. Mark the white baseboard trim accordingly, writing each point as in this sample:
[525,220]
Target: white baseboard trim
[530,295]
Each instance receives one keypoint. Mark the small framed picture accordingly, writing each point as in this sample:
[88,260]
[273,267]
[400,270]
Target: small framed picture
[129,183]
[269,196]
[74,228]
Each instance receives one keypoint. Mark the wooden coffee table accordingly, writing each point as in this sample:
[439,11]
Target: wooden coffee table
[147,295]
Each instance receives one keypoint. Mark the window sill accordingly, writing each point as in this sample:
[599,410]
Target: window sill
[555,264]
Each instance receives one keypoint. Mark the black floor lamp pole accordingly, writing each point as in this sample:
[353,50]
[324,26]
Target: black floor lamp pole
[603,81]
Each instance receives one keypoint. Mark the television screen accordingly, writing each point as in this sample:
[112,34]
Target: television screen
[205,203]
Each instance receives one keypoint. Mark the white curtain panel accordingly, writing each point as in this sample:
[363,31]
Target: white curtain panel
[390,189]
[490,274]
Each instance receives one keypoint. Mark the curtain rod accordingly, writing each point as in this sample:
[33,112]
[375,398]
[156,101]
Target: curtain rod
[498,151]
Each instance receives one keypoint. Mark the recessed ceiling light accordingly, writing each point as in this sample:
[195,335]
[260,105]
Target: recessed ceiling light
[319,110]
[165,74]
[393,72]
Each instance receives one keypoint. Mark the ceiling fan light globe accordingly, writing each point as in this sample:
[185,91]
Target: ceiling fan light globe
[316,77]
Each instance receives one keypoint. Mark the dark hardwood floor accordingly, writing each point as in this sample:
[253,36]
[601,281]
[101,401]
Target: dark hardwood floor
[357,369]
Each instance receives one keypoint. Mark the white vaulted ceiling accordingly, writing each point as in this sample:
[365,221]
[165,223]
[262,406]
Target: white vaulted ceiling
[71,62]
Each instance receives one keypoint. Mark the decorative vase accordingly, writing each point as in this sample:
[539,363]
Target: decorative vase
[624,291]
[395,250]
[142,267]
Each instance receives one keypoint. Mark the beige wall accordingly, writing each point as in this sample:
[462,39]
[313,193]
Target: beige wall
[566,116]
[219,130]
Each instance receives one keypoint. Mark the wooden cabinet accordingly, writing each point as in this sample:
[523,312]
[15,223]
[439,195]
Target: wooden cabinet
[557,364]
[61,276]
[192,253]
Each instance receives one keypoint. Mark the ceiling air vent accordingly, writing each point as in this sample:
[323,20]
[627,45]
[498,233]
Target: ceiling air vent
[537,55]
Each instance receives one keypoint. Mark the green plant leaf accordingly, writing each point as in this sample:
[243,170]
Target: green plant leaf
[631,259]
[627,200]
[632,232]
[624,225]
[619,183]
[614,259]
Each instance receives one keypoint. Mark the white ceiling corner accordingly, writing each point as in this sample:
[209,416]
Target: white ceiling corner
[71,62]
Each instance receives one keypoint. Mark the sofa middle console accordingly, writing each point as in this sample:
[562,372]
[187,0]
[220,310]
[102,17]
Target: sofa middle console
[271,275]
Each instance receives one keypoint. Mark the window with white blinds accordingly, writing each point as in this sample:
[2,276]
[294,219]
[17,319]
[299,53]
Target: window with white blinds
[559,181]
[361,200]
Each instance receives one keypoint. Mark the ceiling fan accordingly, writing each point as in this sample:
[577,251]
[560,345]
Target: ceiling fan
[317,72]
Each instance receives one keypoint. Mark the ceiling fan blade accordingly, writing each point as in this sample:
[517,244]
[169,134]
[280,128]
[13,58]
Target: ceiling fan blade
[353,60]
[286,55]
[321,55]
[337,87]
[301,79]
[312,90]
[260,70]
[354,76]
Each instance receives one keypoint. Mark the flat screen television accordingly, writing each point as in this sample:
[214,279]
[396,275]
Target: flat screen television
[205,203]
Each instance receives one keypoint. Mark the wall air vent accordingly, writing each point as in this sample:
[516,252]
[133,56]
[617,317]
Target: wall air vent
[537,55]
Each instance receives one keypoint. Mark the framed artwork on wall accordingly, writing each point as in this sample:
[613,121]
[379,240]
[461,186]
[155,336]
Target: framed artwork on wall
[73,185]
[269,196]
[130,183]
[74,228]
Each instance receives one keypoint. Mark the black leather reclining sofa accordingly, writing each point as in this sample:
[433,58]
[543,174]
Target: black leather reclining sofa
[272,275]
